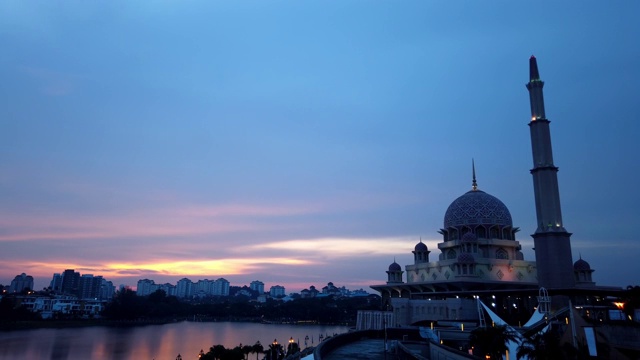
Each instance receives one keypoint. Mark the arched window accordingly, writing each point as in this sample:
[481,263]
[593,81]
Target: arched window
[451,254]
[502,254]
[481,232]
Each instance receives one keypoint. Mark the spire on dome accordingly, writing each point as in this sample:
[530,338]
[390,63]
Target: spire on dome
[474,184]
[533,69]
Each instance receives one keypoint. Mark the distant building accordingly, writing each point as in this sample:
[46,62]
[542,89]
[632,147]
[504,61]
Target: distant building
[21,282]
[309,293]
[331,289]
[56,283]
[184,288]
[220,287]
[169,289]
[277,291]
[89,286]
[48,306]
[107,290]
[146,287]
[70,282]
[257,286]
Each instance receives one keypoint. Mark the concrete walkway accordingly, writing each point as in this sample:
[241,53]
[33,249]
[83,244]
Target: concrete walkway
[370,349]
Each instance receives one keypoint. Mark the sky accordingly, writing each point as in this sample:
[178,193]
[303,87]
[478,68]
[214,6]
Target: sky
[302,142]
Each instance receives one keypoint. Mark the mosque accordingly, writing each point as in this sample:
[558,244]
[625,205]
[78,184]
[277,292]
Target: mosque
[480,257]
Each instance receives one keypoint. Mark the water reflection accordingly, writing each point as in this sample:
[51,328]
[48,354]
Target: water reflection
[147,342]
[61,346]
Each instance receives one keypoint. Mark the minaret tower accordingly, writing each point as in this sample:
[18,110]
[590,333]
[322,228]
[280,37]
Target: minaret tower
[551,239]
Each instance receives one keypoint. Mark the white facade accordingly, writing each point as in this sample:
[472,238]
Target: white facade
[277,291]
[47,306]
[257,286]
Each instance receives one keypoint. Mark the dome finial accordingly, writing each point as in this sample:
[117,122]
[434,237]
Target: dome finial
[474,184]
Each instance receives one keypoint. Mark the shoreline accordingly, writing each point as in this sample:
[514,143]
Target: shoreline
[65,324]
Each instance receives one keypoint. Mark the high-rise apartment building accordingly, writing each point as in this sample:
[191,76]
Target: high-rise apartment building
[257,286]
[21,282]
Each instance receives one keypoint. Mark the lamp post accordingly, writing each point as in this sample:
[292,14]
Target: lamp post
[293,347]
[201,354]
[274,349]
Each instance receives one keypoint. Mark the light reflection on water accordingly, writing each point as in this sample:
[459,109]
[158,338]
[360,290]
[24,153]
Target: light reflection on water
[159,342]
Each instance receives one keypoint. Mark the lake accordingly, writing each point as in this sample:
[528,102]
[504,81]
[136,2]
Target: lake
[159,342]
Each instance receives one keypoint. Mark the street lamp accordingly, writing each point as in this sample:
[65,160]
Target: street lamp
[293,347]
[201,354]
[274,349]
[179,357]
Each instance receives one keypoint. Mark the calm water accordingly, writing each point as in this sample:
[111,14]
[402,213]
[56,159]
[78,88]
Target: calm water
[159,342]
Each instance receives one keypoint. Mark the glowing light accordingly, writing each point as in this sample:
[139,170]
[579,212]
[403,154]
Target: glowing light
[619,305]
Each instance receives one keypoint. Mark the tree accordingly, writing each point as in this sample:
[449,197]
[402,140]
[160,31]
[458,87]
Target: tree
[292,348]
[491,341]
[257,348]
[125,305]
[217,351]
[275,352]
[541,346]
[246,350]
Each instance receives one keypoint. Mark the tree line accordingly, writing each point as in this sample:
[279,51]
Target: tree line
[126,305]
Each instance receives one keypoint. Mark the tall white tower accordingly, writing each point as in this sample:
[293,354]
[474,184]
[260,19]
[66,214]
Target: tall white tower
[551,240]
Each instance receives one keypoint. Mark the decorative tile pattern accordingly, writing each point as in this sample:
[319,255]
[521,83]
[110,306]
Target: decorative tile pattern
[477,208]
[500,274]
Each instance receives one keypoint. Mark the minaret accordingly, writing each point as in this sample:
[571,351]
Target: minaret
[551,240]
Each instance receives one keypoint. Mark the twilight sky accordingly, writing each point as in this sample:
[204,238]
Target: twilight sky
[302,142]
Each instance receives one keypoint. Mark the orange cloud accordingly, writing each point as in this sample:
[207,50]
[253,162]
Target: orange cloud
[114,270]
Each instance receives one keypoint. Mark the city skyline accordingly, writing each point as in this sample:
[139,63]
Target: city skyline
[300,143]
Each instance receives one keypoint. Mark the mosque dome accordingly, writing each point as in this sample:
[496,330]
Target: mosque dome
[421,247]
[581,265]
[395,267]
[469,237]
[466,258]
[477,208]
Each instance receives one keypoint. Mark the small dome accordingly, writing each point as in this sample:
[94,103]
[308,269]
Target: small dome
[476,207]
[468,237]
[395,267]
[421,246]
[466,258]
[581,265]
